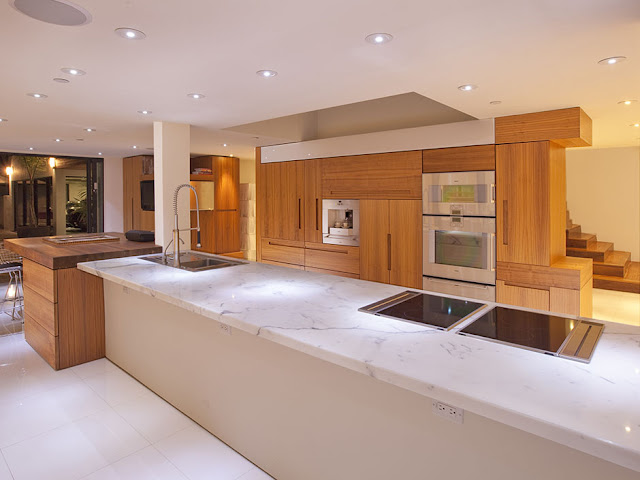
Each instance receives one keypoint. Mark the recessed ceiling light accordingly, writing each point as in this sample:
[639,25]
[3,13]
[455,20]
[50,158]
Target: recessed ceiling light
[30,148]
[135,146]
[130,33]
[60,80]
[637,125]
[627,102]
[145,112]
[58,140]
[58,12]
[99,153]
[73,71]
[267,73]
[467,88]
[36,95]
[195,95]
[89,129]
[3,120]
[495,102]
[224,144]
[612,60]
[379,38]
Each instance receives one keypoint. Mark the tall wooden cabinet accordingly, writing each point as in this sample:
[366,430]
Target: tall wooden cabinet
[391,242]
[134,170]
[313,200]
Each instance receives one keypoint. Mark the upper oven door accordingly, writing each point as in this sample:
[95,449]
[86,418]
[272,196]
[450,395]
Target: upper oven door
[460,248]
[459,193]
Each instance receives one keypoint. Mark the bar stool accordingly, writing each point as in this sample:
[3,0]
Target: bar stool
[11,263]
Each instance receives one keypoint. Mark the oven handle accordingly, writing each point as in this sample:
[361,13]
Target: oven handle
[492,253]
[493,193]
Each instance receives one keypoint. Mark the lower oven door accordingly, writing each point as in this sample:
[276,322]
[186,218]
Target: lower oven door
[460,248]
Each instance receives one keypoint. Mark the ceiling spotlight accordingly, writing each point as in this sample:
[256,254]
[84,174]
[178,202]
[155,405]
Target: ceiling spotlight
[99,153]
[195,95]
[379,38]
[3,120]
[145,112]
[637,125]
[89,129]
[224,144]
[612,60]
[58,140]
[130,33]
[36,95]
[627,102]
[31,148]
[467,88]
[52,162]
[60,80]
[267,73]
[73,71]
[135,146]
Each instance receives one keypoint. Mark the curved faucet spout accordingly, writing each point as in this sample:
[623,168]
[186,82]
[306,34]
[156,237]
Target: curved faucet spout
[176,229]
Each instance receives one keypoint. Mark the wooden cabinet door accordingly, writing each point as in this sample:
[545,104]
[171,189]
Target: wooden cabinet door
[282,196]
[313,201]
[375,240]
[405,228]
[522,296]
[522,195]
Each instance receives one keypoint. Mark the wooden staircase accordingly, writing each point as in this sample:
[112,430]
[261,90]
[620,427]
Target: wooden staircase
[612,269]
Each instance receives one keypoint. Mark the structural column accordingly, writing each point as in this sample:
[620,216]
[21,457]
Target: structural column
[171,167]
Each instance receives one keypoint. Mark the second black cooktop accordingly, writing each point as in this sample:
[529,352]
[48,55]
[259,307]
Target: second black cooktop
[440,312]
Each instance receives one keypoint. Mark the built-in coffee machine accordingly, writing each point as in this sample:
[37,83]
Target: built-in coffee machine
[341,222]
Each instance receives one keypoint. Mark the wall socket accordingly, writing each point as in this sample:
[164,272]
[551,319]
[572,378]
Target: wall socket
[443,410]
[224,328]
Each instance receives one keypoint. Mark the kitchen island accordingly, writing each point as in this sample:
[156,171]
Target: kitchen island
[64,307]
[280,365]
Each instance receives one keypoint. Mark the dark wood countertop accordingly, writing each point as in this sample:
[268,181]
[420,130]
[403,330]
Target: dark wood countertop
[68,256]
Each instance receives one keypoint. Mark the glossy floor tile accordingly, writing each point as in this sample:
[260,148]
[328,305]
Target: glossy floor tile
[95,422]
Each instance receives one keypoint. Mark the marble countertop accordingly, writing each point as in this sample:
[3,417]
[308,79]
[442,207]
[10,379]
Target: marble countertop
[594,408]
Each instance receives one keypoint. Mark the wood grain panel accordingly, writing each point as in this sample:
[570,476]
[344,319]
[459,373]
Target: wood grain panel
[38,278]
[536,275]
[41,341]
[227,230]
[281,195]
[67,256]
[522,195]
[332,257]
[405,227]
[557,203]
[569,127]
[586,299]
[313,200]
[282,264]
[459,159]
[280,251]
[81,336]
[332,272]
[239,254]
[227,173]
[260,202]
[41,309]
[522,296]
[582,265]
[563,300]
[127,194]
[379,176]
[374,241]
[207,231]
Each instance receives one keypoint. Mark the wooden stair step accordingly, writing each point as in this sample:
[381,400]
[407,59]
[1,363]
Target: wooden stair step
[581,240]
[629,283]
[573,228]
[616,264]
[597,251]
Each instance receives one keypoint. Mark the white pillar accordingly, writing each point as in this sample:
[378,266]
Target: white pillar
[171,167]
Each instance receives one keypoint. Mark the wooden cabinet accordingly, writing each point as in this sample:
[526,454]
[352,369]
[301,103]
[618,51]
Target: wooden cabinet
[280,201]
[282,251]
[391,242]
[333,259]
[522,296]
[459,159]
[531,203]
[395,175]
[313,200]
[134,170]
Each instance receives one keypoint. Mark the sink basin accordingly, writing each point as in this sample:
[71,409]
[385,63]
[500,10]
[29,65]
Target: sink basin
[195,262]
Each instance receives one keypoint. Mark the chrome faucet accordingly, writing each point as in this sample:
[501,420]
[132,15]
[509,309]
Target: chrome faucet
[176,230]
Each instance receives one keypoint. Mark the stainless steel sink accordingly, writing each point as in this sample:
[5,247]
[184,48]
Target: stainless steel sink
[194,262]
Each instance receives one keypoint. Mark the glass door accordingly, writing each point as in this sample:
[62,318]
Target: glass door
[95,195]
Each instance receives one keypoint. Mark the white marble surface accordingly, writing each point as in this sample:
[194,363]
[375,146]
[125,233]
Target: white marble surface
[594,408]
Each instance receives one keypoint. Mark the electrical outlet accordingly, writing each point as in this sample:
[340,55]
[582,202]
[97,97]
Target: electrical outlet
[449,412]
[224,328]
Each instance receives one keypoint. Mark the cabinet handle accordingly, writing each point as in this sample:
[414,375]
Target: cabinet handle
[132,223]
[299,213]
[317,249]
[505,223]
[388,251]
[317,221]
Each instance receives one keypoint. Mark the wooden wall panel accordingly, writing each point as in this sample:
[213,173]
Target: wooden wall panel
[379,176]
[227,231]
[557,203]
[405,226]
[313,200]
[522,296]
[227,184]
[569,127]
[375,241]
[459,159]
[562,300]
[281,195]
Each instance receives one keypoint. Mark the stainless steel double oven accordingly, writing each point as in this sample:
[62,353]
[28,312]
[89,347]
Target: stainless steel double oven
[459,232]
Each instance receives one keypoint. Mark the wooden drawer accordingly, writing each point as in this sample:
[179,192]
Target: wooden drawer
[42,310]
[42,341]
[459,159]
[280,264]
[337,258]
[40,279]
[282,251]
[522,296]
[332,272]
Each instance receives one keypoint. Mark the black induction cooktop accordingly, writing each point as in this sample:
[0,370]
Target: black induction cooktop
[555,335]
[439,312]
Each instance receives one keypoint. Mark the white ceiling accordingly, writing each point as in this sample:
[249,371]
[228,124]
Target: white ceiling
[532,55]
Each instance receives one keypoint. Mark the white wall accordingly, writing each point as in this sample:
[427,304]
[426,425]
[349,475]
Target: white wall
[603,194]
[113,194]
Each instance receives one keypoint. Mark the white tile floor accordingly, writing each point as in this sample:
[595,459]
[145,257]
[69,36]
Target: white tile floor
[95,422]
